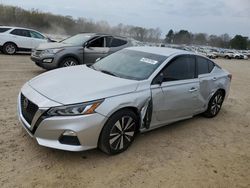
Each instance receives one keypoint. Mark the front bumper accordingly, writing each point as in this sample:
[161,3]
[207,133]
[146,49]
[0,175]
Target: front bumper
[43,61]
[48,130]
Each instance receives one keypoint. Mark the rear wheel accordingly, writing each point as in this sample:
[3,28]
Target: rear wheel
[9,48]
[215,104]
[68,62]
[119,132]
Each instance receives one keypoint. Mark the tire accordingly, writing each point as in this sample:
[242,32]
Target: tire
[68,62]
[9,48]
[215,104]
[119,132]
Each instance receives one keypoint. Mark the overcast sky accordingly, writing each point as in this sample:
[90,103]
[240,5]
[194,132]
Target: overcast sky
[208,16]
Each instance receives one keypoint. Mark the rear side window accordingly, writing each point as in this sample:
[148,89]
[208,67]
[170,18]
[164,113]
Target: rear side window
[204,66]
[210,65]
[118,42]
[181,68]
[4,29]
[21,32]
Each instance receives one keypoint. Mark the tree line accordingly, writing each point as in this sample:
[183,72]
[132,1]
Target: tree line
[51,23]
[222,41]
[48,22]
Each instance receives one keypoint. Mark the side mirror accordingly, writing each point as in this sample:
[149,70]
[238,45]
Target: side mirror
[86,45]
[159,79]
[50,40]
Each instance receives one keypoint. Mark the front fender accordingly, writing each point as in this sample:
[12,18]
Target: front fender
[138,100]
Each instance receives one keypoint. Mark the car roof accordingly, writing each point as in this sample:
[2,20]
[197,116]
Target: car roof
[14,27]
[160,50]
[102,34]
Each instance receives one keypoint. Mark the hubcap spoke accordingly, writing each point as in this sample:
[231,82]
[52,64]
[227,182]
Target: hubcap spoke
[128,123]
[128,139]
[114,134]
[117,144]
[129,133]
[121,142]
[118,125]
[111,141]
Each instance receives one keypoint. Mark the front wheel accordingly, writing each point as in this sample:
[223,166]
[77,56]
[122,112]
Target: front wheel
[119,132]
[68,62]
[215,104]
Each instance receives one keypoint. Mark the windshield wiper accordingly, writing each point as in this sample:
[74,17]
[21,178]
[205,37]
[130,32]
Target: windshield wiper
[107,72]
[92,67]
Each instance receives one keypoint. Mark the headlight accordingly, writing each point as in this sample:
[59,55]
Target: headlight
[76,109]
[52,51]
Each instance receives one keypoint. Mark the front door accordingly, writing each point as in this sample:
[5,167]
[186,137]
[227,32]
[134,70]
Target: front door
[95,49]
[176,97]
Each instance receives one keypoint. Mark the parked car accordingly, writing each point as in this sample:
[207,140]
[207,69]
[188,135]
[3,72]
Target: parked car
[82,48]
[228,54]
[14,39]
[134,90]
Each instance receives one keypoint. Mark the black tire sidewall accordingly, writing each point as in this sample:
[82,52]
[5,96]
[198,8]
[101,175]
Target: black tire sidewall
[103,143]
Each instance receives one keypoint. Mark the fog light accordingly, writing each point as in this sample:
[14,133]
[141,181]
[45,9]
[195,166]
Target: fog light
[70,138]
[47,60]
[69,133]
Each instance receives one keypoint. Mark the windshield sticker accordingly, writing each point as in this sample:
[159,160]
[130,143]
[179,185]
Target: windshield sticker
[150,61]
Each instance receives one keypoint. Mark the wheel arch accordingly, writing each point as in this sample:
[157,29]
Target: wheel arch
[219,89]
[131,108]
[11,42]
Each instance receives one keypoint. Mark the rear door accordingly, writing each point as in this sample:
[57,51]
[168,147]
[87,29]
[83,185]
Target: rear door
[22,38]
[176,98]
[97,48]
[208,80]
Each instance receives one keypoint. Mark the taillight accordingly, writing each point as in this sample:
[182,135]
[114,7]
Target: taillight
[230,76]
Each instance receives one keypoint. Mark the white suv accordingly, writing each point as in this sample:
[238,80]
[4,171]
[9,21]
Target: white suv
[13,39]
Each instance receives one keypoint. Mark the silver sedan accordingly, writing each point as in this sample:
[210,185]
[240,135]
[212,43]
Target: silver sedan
[134,90]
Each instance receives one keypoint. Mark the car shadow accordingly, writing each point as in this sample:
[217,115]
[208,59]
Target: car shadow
[97,155]
[18,53]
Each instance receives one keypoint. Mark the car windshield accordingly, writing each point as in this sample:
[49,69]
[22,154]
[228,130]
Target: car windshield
[130,64]
[77,40]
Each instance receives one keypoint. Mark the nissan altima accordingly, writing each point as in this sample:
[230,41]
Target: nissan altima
[133,90]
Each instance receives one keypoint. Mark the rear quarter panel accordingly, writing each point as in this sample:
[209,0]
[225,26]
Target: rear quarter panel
[208,86]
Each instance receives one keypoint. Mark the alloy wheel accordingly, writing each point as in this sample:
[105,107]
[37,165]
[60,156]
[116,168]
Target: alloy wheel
[216,104]
[122,133]
[69,63]
[10,49]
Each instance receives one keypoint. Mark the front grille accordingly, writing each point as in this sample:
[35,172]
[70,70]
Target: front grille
[28,108]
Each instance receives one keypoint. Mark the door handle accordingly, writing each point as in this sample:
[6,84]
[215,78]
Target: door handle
[214,78]
[193,89]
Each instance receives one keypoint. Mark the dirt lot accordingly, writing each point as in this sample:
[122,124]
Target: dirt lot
[198,152]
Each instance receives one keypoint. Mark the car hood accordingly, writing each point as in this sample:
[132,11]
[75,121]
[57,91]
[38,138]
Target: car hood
[80,84]
[51,45]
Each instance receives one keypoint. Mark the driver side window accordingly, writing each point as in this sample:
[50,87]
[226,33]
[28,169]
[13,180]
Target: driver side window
[97,42]
[181,68]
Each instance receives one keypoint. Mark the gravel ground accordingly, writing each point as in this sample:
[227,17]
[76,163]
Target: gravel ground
[198,152]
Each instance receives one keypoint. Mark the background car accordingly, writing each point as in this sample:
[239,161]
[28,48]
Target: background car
[14,39]
[82,48]
[133,90]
